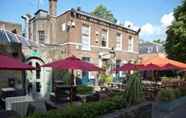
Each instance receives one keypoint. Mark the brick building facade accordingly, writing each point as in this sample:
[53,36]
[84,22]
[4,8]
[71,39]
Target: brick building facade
[78,33]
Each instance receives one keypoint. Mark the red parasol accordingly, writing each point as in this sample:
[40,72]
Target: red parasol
[72,63]
[149,67]
[128,67]
[9,63]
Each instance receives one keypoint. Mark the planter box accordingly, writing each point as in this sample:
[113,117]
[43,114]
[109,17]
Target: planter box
[170,106]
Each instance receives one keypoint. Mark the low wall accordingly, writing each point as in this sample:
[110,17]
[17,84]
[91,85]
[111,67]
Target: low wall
[170,106]
[143,110]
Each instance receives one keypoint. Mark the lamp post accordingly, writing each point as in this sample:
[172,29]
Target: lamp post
[112,51]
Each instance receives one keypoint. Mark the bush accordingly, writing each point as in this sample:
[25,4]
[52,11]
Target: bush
[134,91]
[63,75]
[167,94]
[105,79]
[83,89]
[86,110]
[183,91]
[177,92]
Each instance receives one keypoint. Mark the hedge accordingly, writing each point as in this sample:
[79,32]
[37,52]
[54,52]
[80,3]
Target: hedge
[83,89]
[86,110]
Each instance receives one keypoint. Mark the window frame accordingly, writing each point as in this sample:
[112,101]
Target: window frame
[120,42]
[130,44]
[88,36]
[41,34]
[107,40]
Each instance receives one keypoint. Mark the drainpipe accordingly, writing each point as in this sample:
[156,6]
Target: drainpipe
[26,29]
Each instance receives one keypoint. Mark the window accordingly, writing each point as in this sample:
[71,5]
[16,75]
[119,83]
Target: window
[41,35]
[85,37]
[38,71]
[118,41]
[149,49]
[130,44]
[63,27]
[104,38]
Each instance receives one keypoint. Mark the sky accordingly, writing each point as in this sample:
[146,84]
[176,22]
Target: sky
[152,16]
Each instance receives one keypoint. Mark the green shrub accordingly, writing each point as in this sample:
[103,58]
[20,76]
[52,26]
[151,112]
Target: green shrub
[134,91]
[177,92]
[86,110]
[83,89]
[167,94]
[105,79]
[62,75]
[183,91]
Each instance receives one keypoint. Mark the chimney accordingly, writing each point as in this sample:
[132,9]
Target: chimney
[52,7]
[52,21]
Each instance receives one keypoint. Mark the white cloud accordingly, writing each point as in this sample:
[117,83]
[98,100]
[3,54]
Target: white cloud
[147,29]
[167,19]
[150,31]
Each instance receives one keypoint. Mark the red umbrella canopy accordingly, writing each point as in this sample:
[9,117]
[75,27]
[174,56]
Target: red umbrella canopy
[9,63]
[163,61]
[170,67]
[149,67]
[128,67]
[72,63]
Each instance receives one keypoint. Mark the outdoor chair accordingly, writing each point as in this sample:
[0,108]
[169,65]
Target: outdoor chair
[93,97]
[50,105]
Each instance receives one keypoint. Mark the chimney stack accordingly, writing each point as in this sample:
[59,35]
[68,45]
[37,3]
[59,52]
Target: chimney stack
[52,21]
[52,7]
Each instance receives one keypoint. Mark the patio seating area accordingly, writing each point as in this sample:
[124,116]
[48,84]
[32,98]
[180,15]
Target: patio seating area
[13,99]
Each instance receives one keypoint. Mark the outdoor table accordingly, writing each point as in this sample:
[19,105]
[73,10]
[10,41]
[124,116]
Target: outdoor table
[7,92]
[8,89]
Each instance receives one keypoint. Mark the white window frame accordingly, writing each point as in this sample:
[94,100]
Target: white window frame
[107,38]
[89,39]
[63,27]
[131,48]
[120,42]
[43,35]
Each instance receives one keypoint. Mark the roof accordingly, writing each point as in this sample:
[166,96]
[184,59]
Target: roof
[98,18]
[7,22]
[40,10]
[150,43]
[9,37]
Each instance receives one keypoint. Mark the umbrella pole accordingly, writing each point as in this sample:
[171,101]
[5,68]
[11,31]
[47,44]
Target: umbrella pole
[71,85]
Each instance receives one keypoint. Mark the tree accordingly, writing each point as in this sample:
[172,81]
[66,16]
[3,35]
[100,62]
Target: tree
[157,41]
[102,12]
[175,44]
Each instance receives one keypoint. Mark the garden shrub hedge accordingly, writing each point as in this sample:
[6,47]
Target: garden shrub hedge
[83,89]
[86,110]
[169,94]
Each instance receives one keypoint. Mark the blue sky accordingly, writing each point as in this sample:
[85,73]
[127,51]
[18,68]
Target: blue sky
[153,16]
